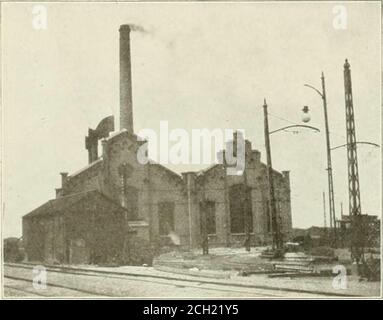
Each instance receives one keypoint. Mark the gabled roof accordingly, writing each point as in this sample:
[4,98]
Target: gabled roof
[96,165]
[62,203]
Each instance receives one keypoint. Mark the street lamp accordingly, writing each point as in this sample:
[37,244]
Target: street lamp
[275,225]
[306,116]
[322,94]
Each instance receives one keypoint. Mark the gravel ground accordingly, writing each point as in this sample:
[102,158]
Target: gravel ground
[69,285]
[188,285]
[222,258]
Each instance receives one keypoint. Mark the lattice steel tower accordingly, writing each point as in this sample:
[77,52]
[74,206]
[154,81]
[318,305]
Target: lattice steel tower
[357,242]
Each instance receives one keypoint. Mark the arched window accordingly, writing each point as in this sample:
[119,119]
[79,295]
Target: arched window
[237,199]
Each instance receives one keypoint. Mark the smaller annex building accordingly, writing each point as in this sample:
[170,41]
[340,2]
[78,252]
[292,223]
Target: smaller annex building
[81,228]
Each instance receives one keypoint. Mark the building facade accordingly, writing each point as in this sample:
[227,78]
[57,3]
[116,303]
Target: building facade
[158,204]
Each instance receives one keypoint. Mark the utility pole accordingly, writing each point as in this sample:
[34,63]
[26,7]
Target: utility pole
[324,210]
[325,232]
[277,240]
[357,237]
[275,220]
[329,165]
[341,231]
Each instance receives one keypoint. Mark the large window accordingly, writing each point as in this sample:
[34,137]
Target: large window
[166,217]
[209,215]
[237,199]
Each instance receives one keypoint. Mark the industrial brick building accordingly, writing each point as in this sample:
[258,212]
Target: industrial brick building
[100,208]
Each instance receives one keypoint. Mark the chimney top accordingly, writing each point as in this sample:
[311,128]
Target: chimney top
[125,27]
[346,64]
[64,178]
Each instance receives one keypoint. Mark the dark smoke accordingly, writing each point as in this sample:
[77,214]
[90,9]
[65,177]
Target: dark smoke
[137,28]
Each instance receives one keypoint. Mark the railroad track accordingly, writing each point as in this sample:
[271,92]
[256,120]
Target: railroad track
[204,284]
[53,285]
[24,291]
[176,282]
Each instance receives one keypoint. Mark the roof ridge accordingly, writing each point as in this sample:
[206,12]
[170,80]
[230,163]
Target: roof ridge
[76,194]
[90,165]
[58,204]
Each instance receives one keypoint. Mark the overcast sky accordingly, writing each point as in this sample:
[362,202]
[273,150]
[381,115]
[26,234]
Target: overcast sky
[199,66]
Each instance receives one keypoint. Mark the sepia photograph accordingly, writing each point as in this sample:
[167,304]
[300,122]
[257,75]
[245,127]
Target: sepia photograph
[191,150]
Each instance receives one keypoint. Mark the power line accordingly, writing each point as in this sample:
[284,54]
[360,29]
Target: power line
[280,118]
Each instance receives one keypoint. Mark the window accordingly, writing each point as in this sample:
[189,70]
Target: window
[166,217]
[131,196]
[237,198]
[209,207]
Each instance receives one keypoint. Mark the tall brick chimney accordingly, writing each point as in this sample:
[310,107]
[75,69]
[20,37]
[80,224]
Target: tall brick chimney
[126,106]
